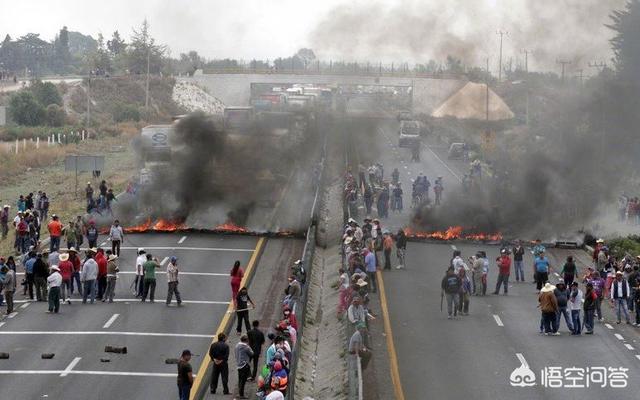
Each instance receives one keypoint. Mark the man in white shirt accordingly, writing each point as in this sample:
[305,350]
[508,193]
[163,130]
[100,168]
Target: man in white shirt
[116,235]
[88,275]
[54,281]
[138,285]
[620,294]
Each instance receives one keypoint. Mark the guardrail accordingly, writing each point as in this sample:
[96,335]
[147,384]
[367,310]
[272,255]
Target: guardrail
[307,263]
[372,72]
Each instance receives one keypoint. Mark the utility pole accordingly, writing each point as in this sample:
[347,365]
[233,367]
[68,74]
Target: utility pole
[501,33]
[526,60]
[486,83]
[146,96]
[89,100]
[564,63]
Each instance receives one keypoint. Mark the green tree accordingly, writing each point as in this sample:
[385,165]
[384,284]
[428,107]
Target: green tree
[116,45]
[24,109]
[55,115]
[626,41]
[45,93]
[61,53]
[142,49]
[100,59]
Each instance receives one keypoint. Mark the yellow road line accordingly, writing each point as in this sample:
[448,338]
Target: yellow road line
[226,320]
[393,357]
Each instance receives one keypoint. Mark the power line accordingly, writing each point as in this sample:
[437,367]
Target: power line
[564,63]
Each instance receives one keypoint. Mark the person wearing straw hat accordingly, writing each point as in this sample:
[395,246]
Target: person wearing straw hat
[112,276]
[54,280]
[549,308]
[65,268]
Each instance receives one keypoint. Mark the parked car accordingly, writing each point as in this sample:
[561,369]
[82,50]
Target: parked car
[409,133]
[457,151]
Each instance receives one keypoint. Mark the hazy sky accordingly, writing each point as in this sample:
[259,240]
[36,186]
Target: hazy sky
[411,30]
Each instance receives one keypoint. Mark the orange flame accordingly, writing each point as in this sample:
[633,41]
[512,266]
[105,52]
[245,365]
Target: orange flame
[162,225]
[231,227]
[453,233]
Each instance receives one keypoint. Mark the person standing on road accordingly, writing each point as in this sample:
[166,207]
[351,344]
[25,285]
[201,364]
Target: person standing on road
[101,260]
[465,292]
[504,265]
[518,261]
[4,221]
[397,198]
[242,309]
[88,276]
[172,281]
[243,354]
[589,308]
[597,282]
[40,274]
[219,354]
[55,231]
[541,266]
[236,279]
[387,246]
[562,297]
[574,305]
[256,340]
[185,376]
[8,286]
[569,271]
[92,234]
[70,234]
[619,294]
[150,278]
[116,235]
[54,281]
[112,277]
[77,265]
[401,248]
[479,285]
[549,307]
[139,282]
[451,285]
[66,271]
[370,266]
[293,292]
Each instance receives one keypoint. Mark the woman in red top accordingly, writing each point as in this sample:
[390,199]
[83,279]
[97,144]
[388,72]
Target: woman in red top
[66,270]
[236,278]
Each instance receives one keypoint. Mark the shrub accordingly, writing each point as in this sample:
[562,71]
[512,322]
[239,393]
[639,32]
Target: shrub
[125,112]
[622,246]
[55,115]
[25,110]
[46,93]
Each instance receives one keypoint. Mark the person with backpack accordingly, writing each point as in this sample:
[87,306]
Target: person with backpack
[451,285]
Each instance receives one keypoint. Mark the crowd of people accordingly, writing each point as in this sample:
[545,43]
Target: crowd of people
[372,189]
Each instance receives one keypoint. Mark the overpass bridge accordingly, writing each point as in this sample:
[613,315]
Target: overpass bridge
[234,89]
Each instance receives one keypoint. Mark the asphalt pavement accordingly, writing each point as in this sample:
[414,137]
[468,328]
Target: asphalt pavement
[474,356]
[152,332]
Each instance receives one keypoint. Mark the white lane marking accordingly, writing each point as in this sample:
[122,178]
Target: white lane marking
[638,356]
[70,366]
[522,360]
[556,274]
[618,336]
[13,314]
[190,248]
[443,163]
[405,167]
[164,261]
[110,321]
[102,244]
[110,333]
[1,324]
[25,305]
[628,346]
[181,273]
[498,320]
[453,247]
[78,372]
[182,239]
[608,326]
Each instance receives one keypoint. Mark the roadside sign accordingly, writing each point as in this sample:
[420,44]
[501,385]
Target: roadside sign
[83,164]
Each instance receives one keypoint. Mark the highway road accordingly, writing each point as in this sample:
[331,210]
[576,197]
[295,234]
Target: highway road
[151,332]
[474,356]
